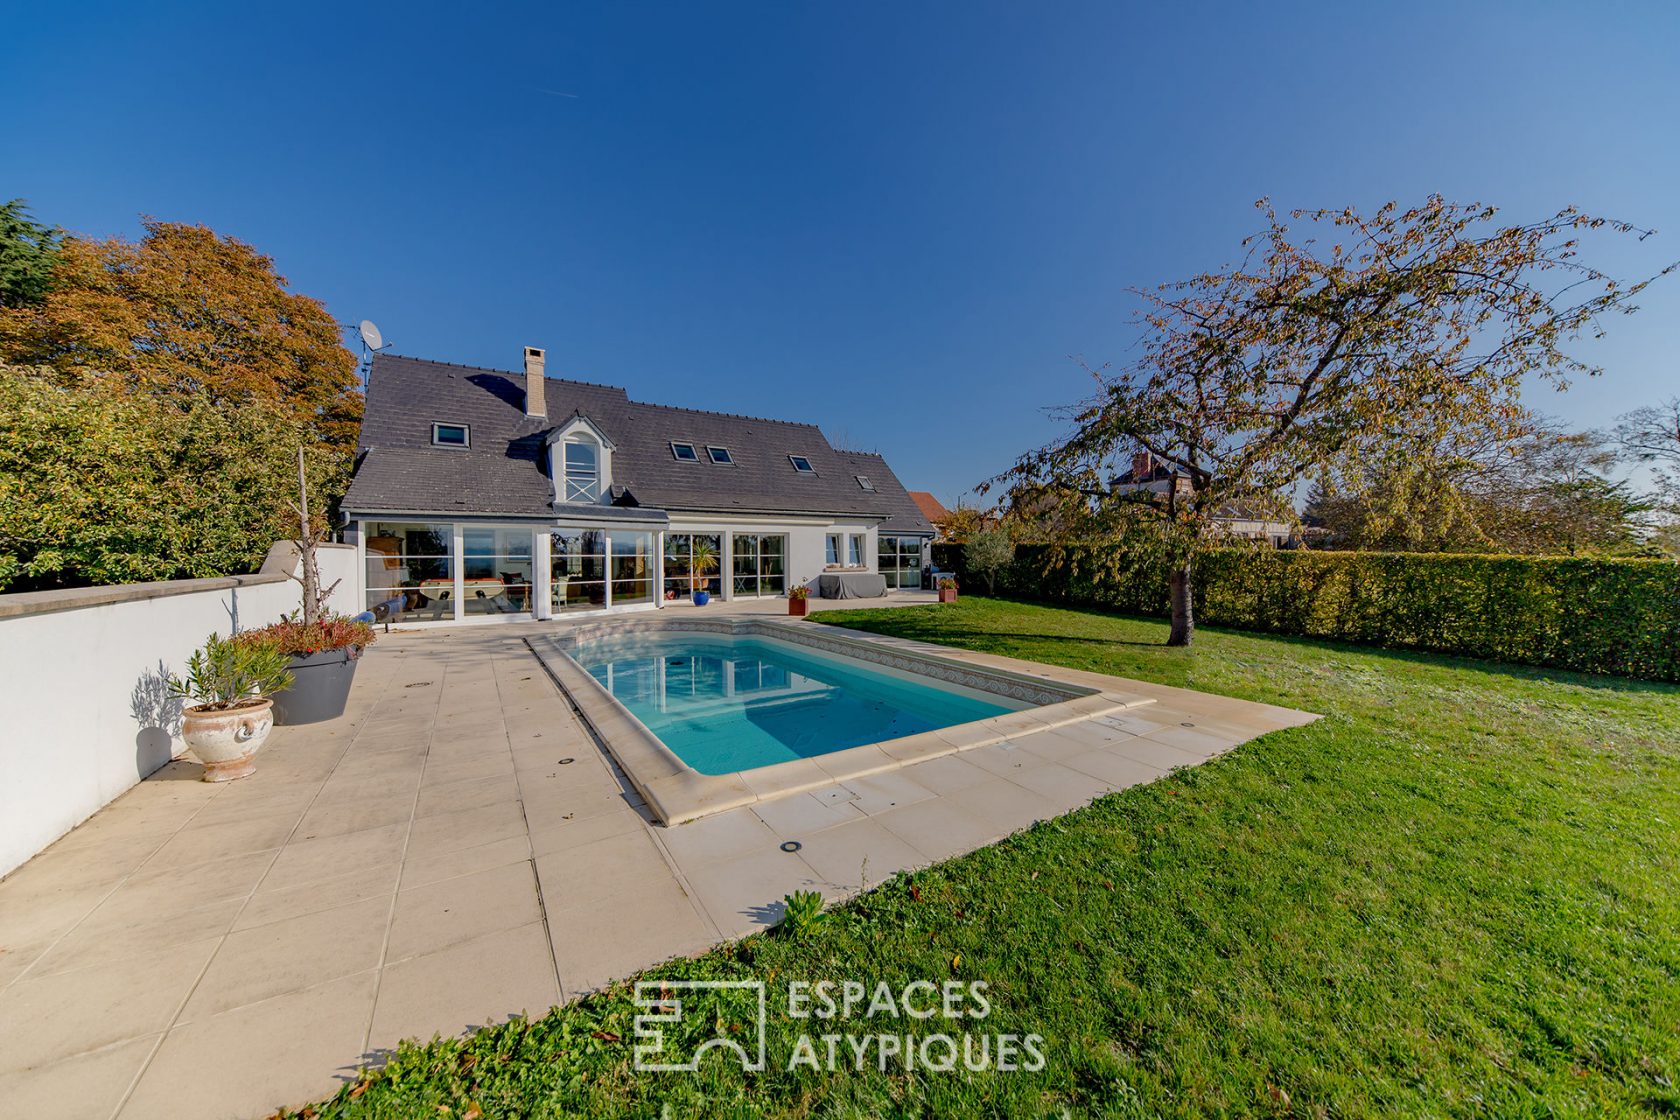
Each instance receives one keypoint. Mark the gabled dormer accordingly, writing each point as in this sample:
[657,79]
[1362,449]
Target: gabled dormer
[580,462]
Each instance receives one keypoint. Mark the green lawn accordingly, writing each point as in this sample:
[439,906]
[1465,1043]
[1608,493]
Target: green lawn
[1453,896]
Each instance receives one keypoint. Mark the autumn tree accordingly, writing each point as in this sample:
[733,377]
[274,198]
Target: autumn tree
[192,317]
[963,523]
[28,252]
[1337,336]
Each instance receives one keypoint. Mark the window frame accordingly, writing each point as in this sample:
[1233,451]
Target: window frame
[864,483]
[855,545]
[466,435]
[712,450]
[594,489]
[798,459]
[693,452]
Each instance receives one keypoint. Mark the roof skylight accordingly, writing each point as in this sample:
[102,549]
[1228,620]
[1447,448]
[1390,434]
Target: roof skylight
[863,481]
[684,452]
[720,455]
[802,464]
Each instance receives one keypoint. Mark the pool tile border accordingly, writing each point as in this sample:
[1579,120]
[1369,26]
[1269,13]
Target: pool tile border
[676,793]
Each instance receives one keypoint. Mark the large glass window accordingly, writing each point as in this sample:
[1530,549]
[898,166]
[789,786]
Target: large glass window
[900,560]
[760,565]
[633,567]
[578,567]
[583,469]
[693,562]
[496,570]
[410,572]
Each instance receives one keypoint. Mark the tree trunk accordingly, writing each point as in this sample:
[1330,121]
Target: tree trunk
[311,572]
[1183,614]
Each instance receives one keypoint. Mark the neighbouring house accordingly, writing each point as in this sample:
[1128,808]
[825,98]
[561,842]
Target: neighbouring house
[934,510]
[481,494]
[952,524]
[1240,519]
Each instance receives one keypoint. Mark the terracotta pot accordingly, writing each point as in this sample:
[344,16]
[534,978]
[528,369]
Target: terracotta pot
[227,740]
[799,607]
[948,596]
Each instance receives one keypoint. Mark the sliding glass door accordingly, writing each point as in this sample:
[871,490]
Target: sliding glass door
[900,561]
[578,568]
[760,565]
[410,569]
[693,562]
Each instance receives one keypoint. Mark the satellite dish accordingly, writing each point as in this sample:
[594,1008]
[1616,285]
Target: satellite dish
[370,335]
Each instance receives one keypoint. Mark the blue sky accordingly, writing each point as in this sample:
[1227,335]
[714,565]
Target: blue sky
[896,220]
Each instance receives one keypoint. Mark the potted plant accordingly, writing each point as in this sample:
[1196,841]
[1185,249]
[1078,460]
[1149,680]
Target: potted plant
[947,589]
[705,562]
[321,657]
[228,689]
[799,601]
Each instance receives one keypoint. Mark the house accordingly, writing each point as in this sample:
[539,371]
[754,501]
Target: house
[484,494]
[1240,519]
[933,509]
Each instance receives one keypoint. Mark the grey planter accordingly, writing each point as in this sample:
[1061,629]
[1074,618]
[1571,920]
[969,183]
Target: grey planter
[320,686]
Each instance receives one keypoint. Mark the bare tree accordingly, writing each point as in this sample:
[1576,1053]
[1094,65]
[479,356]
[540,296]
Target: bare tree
[314,596]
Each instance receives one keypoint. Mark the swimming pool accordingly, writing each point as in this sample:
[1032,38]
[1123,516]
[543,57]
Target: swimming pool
[726,703]
[705,714]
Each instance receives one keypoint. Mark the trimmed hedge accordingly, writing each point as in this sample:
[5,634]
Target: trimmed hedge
[1591,615]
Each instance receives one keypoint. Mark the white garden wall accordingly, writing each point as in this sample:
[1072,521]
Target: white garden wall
[83,710]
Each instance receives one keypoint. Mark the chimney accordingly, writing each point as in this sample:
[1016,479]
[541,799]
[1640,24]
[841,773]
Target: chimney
[535,403]
[1143,464]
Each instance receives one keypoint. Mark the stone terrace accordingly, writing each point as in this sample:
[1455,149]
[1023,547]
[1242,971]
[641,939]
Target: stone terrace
[455,850]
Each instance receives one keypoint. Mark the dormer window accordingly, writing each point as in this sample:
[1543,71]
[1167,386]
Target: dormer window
[684,452]
[450,435]
[802,464]
[720,456]
[580,461]
[863,481]
[583,468]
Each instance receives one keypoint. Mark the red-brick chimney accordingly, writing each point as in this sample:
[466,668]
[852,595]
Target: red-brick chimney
[1143,465]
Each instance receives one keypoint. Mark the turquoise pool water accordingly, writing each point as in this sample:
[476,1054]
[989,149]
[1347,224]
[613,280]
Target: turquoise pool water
[724,704]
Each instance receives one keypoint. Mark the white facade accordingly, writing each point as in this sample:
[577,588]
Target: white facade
[483,570]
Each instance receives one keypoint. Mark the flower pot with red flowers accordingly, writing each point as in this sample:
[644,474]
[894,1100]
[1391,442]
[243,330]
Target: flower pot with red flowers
[947,590]
[228,687]
[322,659]
[799,601]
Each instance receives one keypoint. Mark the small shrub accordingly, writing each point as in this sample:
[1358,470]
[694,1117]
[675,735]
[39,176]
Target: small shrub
[799,591]
[987,554]
[294,637]
[802,912]
[228,672]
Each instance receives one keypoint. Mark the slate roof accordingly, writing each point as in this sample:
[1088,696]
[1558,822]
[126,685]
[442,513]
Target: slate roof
[905,516]
[505,470]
